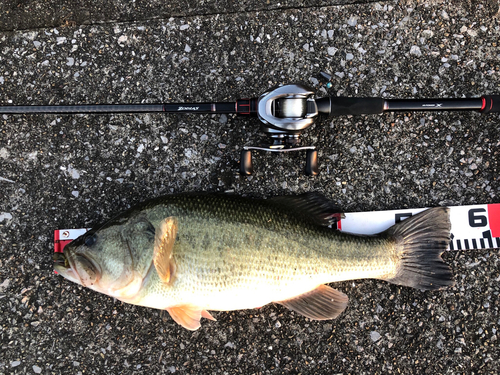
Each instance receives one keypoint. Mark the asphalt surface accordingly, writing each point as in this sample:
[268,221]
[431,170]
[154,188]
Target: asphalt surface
[71,171]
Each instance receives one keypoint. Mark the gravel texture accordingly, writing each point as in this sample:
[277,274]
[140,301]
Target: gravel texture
[61,171]
[31,14]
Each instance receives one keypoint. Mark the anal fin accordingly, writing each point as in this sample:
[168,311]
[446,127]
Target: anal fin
[321,303]
[189,316]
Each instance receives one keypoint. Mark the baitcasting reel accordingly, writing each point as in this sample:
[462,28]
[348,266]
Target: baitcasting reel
[285,112]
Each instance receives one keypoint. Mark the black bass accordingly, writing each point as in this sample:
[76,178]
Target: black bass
[191,253]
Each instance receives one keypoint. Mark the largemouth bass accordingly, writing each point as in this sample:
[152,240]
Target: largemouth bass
[191,253]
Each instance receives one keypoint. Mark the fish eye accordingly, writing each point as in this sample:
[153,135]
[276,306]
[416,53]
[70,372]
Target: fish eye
[90,240]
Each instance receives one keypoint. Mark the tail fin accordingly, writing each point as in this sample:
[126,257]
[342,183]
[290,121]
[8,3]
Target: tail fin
[421,240]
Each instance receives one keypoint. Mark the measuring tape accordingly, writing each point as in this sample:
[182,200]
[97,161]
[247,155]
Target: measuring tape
[472,227]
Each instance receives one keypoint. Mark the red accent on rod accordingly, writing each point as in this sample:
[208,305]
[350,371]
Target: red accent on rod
[239,105]
[483,99]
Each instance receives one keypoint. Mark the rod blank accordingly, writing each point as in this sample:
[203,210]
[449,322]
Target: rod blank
[97,108]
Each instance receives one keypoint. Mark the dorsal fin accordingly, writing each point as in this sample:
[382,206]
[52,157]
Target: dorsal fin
[314,207]
[164,244]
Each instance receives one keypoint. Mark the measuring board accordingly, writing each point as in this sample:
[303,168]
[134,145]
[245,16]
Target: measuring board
[472,227]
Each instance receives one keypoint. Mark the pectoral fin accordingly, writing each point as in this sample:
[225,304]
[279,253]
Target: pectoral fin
[164,244]
[319,304]
[189,316]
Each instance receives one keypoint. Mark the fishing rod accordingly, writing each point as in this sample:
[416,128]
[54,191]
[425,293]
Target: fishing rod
[284,112]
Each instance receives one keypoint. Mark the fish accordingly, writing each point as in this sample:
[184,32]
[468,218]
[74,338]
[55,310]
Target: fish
[193,253]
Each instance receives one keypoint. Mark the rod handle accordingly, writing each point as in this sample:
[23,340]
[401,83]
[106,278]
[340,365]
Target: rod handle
[341,106]
[491,103]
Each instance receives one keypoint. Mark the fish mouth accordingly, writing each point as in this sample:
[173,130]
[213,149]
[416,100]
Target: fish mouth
[63,267]
[60,260]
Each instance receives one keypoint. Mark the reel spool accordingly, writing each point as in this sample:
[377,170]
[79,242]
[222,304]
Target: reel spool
[285,112]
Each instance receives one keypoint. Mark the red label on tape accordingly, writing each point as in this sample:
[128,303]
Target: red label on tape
[494,219]
[60,243]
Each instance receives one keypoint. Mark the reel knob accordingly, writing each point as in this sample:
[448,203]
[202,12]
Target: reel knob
[246,167]
[311,163]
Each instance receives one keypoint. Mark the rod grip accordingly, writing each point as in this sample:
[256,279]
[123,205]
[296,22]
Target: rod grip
[341,106]
[491,103]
